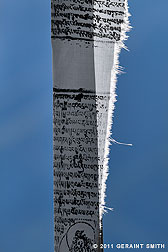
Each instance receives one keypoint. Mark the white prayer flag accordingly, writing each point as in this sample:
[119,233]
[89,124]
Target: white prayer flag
[87,36]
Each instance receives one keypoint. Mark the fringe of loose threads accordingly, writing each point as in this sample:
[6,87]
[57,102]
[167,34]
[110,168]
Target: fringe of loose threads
[125,27]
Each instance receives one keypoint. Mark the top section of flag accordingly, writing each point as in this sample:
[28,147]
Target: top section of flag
[88,20]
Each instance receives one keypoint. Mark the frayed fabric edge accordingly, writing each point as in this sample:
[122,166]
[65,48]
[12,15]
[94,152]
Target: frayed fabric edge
[125,27]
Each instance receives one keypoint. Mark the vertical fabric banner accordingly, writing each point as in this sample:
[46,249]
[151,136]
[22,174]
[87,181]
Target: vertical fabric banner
[87,36]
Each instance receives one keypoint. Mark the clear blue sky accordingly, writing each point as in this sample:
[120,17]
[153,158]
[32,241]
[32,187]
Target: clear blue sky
[137,185]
